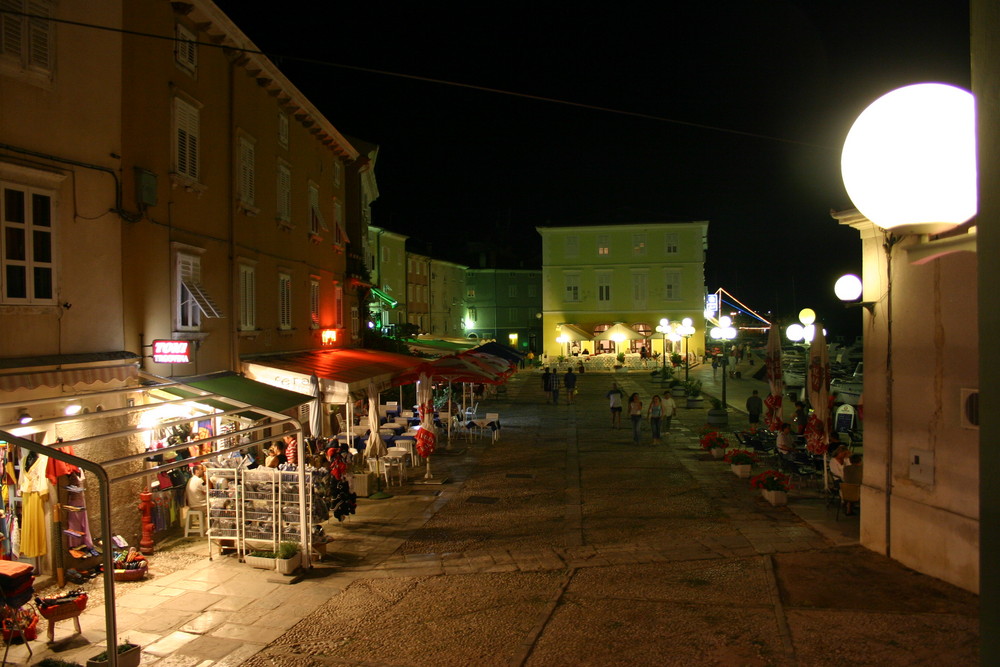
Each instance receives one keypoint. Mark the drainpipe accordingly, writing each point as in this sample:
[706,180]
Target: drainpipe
[234,283]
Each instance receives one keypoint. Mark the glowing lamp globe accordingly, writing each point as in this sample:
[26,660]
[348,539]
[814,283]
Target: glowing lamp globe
[909,161]
[794,332]
[687,321]
[848,287]
[807,316]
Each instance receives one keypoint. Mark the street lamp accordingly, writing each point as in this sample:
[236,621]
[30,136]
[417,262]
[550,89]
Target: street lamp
[686,329]
[563,340]
[724,332]
[663,327]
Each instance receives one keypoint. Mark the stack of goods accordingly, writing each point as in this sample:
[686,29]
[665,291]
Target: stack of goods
[130,565]
[17,586]
[62,606]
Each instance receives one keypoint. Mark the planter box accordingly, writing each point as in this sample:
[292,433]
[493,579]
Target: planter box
[289,565]
[260,562]
[741,469]
[678,391]
[362,484]
[129,658]
[717,452]
[776,498]
[695,402]
[717,417]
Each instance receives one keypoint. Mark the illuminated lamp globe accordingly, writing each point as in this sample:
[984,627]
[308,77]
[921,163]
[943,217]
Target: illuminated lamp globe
[687,321]
[716,332]
[807,316]
[725,321]
[808,333]
[848,287]
[909,161]
[664,323]
[794,332]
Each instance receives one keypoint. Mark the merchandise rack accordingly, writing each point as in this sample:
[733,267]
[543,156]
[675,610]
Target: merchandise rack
[224,516]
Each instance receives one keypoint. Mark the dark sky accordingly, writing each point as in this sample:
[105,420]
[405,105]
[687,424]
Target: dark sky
[781,80]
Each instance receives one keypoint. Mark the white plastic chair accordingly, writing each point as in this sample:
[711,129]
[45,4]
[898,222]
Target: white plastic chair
[395,461]
[490,418]
[410,445]
[470,412]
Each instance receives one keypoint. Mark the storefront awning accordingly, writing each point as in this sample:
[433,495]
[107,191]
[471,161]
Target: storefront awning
[574,333]
[340,372]
[241,389]
[67,369]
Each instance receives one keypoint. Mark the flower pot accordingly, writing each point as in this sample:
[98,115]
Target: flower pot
[717,417]
[776,498]
[289,565]
[260,562]
[362,484]
[695,401]
[717,452]
[741,469]
[678,391]
[129,658]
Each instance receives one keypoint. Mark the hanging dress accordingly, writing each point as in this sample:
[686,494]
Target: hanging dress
[34,493]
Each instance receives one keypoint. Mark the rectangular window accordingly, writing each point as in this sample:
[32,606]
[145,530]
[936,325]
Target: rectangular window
[385,255]
[284,202]
[26,37]
[314,303]
[284,301]
[512,314]
[283,130]
[671,244]
[186,131]
[248,298]
[639,291]
[532,291]
[247,173]
[316,222]
[339,237]
[572,246]
[604,288]
[355,322]
[603,244]
[28,253]
[639,244]
[471,292]
[193,300]
[572,287]
[512,291]
[672,285]
[186,50]
[338,173]
[338,306]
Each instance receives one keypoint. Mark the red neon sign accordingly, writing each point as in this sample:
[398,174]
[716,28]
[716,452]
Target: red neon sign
[171,351]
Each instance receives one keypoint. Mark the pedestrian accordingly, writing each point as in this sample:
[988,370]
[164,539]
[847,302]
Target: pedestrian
[800,417]
[546,384]
[643,355]
[570,383]
[615,396]
[715,367]
[669,410]
[755,406]
[555,383]
[635,414]
[655,416]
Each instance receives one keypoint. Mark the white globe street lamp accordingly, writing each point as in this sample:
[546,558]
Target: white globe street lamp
[725,333]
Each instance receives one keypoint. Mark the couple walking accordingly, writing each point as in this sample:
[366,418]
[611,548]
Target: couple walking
[659,413]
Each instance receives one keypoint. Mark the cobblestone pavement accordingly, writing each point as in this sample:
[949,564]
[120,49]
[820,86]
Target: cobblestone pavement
[564,543]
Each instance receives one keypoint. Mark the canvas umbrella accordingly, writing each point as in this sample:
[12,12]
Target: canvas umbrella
[315,409]
[775,378]
[376,446]
[818,382]
[426,434]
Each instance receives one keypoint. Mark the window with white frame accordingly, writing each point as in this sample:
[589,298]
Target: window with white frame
[670,244]
[603,244]
[193,300]
[339,236]
[512,291]
[284,203]
[338,306]
[672,284]
[247,174]
[355,321]
[603,289]
[314,303]
[639,291]
[639,244]
[338,173]
[572,281]
[385,254]
[186,50]
[532,291]
[187,121]
[27,38]
[512,314]
[572,246]
[28,245]
[317,224]
[284,301]
[248,298]
[470,291]
[283,130]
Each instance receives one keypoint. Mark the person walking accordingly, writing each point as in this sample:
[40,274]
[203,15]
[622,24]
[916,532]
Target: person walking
[655,416]
[555,383]
[546,384]
[715,367]
[615,396]
[635,414]
[755,406]
[669,410]
[569,381]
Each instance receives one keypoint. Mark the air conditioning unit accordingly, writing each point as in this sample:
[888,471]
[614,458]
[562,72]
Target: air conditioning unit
[968,409]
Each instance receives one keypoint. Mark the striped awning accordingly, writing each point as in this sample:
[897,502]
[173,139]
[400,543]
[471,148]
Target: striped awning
[57,377]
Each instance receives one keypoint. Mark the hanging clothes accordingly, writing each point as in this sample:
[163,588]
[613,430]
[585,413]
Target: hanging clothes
[34,493]
[78,521]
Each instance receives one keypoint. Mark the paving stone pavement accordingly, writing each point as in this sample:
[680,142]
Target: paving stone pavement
[562,543]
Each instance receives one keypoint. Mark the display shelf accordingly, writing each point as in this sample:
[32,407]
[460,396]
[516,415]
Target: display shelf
[223,520]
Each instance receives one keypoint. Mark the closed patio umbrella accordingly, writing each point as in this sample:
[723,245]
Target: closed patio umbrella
[772,360]
[376,446]
[426,434]
[818,383]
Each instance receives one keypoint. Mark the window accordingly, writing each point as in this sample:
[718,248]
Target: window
[532,291]
[638,291]
[512,314]
[27,240]
[283,130]
[284,301]
[248,298]
[186,50]
[338,173]
[512,291]
[471,292]
[639,244]
[572,287]
[246,174]
[339,236]
[604,289]
[355,321]
[603,244]
[572,246]
[193,301]
[316,222]
[672,285]
[671,244]
[186,127]
[284,202]
[27,42]
[385,254]
[338,306]
[314,303]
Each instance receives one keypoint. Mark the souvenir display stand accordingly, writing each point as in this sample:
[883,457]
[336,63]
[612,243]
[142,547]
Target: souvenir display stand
[224,519]
[16,590]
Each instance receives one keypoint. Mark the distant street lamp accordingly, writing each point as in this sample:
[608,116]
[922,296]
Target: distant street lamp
[563,340]
[686,329]
[663,327]
[725,333]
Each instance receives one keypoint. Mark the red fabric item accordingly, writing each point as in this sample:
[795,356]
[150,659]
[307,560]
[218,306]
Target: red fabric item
[14,569]
[56,468]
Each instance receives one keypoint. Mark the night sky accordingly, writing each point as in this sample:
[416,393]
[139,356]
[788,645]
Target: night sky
[731,111]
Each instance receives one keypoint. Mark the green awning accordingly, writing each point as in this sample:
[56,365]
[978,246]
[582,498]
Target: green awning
[242,389]
[392,303]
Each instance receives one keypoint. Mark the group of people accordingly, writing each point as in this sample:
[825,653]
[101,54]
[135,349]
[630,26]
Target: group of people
[553,383]
[659,413]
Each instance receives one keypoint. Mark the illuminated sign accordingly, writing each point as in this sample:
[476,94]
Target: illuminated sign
[328,336]
[712,303]
[172,351]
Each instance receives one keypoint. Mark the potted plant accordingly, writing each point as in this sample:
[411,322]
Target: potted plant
[740,461]
[714,442]
[693,390]
[773,486]
[620,359]
[260,559]
[717,414]
[129,655]
[675,359]
[289,557]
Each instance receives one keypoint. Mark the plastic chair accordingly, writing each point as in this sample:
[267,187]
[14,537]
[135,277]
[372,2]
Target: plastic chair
[493,418]
[410,445]
[395,461]
[470,412]
[200,529]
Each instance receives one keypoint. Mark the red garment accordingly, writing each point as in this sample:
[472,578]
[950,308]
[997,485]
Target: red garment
[56,468]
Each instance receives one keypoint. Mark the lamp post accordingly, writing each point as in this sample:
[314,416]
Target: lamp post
[686,330]
[663,327]
[725,333]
